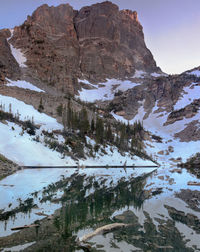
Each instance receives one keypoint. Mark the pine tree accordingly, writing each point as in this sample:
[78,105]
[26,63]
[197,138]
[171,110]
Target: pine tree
[75,120]
[133,143]
[128,130]
[10,108]
[40,107]
[109,134]
[92,126]
[69,114]
[64,118]
[123,137]
[99,130]
[84,122]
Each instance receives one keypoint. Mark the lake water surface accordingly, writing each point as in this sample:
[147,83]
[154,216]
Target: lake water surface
[145,199]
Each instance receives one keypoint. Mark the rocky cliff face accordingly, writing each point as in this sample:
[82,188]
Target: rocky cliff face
[111,42]
[8,65]
[95,43]
[163,92]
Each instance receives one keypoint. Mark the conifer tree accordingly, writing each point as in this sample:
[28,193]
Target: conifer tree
[69,114]
[92,126]
[84,122]
[109,134]
[75,120]
[40,107]
[123,138]
[99,130]
[64,118]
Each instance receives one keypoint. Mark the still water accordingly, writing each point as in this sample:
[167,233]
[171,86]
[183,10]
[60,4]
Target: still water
[146,200]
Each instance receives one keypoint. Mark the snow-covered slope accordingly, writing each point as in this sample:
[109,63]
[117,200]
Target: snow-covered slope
[27,112]
[188,95]
[25,149]
[195,72]
[171,147]
[104,90]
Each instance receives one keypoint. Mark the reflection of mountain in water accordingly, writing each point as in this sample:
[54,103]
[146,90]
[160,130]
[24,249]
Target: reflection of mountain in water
[89,203]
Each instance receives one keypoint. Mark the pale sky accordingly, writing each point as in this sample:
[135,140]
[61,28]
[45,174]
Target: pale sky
[171,27]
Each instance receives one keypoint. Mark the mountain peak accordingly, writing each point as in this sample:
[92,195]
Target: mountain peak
[132,14]
[95,43]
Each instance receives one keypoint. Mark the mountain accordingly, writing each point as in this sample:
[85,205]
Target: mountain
[63,67]
[61,44]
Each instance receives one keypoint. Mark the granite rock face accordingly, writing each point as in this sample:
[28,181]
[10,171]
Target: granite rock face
[8,66]
[49,41]
[95,43]
[111,42]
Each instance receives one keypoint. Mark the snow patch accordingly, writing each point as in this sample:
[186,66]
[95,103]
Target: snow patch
[17,53]
[195,72]
[189,94]
[139,74]
[23,84]
[28,112]
[158,74]
[105,90]
[20,147]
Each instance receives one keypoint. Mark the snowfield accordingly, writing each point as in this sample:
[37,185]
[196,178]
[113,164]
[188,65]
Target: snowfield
[154,123]
[23,84]
[21,148]
[189,94]
[105,90]
[195,72]
[141,74]
[28,112]
[17,53]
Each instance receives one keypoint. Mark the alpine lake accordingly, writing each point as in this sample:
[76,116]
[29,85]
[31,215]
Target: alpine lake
[102,209]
